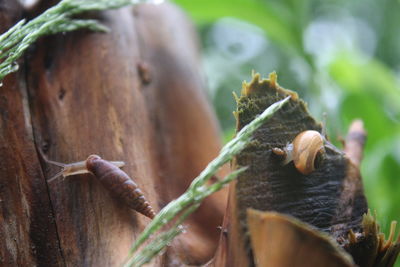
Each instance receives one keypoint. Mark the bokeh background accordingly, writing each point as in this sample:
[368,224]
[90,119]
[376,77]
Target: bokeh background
[341,56]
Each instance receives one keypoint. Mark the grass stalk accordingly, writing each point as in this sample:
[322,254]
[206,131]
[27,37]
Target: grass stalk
[197,191]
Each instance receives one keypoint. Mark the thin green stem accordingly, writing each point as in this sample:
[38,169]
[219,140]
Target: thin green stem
[198,190]
[15,41]
[161,241]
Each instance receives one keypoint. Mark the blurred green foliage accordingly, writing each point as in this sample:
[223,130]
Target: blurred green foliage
[342,57]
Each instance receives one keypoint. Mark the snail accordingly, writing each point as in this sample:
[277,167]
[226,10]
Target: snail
[112,178]
[306,151]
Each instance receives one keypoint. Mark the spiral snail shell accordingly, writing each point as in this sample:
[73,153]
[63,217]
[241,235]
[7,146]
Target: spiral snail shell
[305,151]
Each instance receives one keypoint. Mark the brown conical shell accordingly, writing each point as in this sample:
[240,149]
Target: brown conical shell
[119,184]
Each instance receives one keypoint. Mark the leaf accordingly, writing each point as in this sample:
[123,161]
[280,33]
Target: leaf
[276,20]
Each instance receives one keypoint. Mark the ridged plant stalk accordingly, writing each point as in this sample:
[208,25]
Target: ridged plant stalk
[58,18]
[189,201]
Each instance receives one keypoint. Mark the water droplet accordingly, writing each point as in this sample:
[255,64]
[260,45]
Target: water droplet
[14,67]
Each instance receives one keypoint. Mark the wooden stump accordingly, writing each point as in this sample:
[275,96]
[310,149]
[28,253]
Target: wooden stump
[133,94]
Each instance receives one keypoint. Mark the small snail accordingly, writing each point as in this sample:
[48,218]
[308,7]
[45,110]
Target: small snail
[306,151]
[112,178]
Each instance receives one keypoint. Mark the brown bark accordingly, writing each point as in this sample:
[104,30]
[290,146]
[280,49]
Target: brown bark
[27,228]
[133,94]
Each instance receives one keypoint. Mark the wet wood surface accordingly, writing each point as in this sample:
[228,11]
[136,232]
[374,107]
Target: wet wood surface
[134,94]
[27,228]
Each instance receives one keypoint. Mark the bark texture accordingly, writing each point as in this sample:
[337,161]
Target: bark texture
[133,94]
[331,198]
[27,227]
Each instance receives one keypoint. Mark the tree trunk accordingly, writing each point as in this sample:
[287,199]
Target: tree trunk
[133,94]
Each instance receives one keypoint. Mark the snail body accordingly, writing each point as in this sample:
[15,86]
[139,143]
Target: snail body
[305,151]
[75,168]
[112,178]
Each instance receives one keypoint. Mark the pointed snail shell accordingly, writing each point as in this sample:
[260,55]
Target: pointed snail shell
[119,184]
[307,146]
